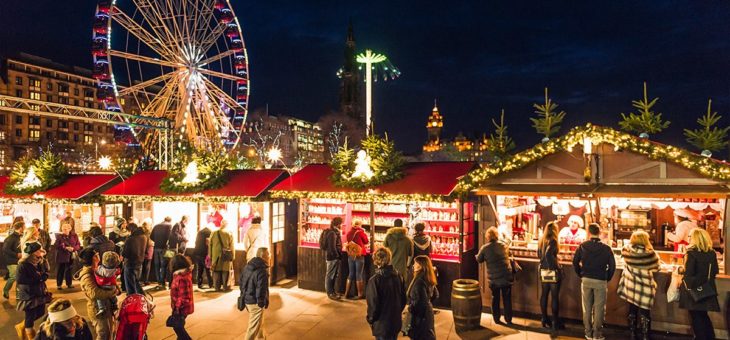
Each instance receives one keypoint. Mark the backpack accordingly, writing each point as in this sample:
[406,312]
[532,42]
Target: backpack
[353,249]
[323,239]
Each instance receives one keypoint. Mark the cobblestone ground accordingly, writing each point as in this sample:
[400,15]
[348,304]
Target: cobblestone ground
[293,314]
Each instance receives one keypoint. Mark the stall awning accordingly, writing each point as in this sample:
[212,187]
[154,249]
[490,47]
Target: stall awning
[434,179]
[245,184]
[74,188]
[663,191]
[558,190]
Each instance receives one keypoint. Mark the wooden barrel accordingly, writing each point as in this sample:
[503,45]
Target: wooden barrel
[466,304]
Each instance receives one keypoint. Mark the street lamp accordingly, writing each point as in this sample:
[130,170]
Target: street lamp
[371,60]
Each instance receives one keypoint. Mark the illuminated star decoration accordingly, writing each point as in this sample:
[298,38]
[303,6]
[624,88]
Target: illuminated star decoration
[105,163]
[191,173]
[274,155]
[362,166]
[378,63]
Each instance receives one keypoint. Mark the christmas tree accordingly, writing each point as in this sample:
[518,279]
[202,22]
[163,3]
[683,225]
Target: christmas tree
[709,137]
[548,121]
[499,143]
[645,121]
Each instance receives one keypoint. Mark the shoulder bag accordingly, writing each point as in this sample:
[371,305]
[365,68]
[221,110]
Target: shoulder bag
[548,275]
[704,291]
[226,254]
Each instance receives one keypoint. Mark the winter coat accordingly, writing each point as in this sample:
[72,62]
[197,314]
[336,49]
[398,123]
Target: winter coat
[637,285]
[11,249]
[255,283]
[499,270]
[135,248]
[161,234]
[102,245]
[386,298]
[219,240]
[31,288]
[181,292]
[201,243]
[401,247]
[63,241]
[45,239]
[253,240]
[178,238]
[696,267]
[93,292]
[358,236]
[421,245]
[594,260]
[119,235]
[56,331]
[549,257]
[333,244]
[419,304]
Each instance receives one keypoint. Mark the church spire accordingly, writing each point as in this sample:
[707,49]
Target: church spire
[350,34]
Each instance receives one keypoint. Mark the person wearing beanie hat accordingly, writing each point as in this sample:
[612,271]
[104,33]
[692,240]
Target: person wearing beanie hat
[120,233]
[64,323]
[102,322]
[31,292]
[106,278]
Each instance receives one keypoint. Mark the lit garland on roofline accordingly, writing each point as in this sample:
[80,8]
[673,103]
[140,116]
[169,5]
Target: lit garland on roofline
[198,198]
[708,167]
[361,196]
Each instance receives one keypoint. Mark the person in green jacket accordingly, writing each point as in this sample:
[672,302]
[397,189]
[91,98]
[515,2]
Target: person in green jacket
[219,240]
[401,246]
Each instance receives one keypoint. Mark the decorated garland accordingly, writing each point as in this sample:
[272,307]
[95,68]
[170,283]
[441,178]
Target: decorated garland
[376,162]
[31,175]
[706,166]
[196,170]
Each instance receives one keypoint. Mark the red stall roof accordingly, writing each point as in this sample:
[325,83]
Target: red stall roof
[432,178]
[74,188]
[241,183]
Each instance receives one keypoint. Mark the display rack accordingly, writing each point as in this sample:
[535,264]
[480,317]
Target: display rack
[316,216]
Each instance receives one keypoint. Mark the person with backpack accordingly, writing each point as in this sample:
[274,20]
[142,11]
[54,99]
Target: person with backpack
[160,235]
[331,242]
[357,239]
[178,236]
[594,263]
[255,292]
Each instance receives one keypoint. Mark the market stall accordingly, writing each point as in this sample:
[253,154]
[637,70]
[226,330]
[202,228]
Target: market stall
[242,198]
[422,194]
[621,182]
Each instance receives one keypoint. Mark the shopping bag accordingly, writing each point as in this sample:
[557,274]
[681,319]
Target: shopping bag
[673,290]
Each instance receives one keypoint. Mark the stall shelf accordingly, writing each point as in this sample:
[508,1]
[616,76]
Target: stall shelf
[243,197]
[619,181]
[423,194]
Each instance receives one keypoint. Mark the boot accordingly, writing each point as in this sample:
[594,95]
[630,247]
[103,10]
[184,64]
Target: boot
[20,330]
[546,323]
[30,333]
[645,327]
[347,288]
[555,326]
[632,326]
[360,289]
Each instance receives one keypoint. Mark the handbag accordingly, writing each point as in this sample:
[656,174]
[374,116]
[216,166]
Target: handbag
[226,254]
[241,303]
[704,291]
[208,262]
[175,321]
[516,268]
[548,275]
[168,254]
[407,323]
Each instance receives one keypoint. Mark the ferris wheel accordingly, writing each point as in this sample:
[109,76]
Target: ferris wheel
[180,60]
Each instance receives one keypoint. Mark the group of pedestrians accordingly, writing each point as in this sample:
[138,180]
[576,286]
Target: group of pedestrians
[594,263]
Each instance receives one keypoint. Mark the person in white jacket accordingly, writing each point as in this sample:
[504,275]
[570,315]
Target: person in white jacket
[254,239]
[574,232]
[682,230]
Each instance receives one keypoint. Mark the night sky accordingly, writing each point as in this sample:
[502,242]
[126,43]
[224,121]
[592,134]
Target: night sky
[476,57]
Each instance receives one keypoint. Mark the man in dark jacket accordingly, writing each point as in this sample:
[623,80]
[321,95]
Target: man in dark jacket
[160,235]
[594,263]
[133,253]
[255,291]
[332,254]
[386,297]
[11,255]
[202,242]
[99,241]
[178,236]
[499,273]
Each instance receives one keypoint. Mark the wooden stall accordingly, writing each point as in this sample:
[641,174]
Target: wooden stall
[622,182]
[423,194]
[243,197]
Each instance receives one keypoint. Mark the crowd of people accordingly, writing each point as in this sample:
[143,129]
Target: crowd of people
[398,295]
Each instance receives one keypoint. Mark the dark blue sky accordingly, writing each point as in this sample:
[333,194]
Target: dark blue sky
[476,57]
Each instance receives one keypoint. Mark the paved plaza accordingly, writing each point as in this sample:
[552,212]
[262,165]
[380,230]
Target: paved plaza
[293,314]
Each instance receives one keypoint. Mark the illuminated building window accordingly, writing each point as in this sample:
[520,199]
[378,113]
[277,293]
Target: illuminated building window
[277,234]
[34,84]
[34,95]
[2,135]
[18,81]
[34,135]
[2,156]
[88,140]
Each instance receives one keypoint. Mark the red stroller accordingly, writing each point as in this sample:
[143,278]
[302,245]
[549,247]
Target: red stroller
[134,316]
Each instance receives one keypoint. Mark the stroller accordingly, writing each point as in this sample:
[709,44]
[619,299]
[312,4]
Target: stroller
[134,316]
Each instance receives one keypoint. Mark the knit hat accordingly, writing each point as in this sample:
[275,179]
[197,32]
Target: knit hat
[118,221]
[110,260]
[86,256]
[32,247]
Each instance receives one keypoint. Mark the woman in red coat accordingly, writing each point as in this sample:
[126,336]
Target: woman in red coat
[181,295]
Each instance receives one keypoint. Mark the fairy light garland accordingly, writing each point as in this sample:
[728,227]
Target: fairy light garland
[360,196]
[708,167]
[198,198]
